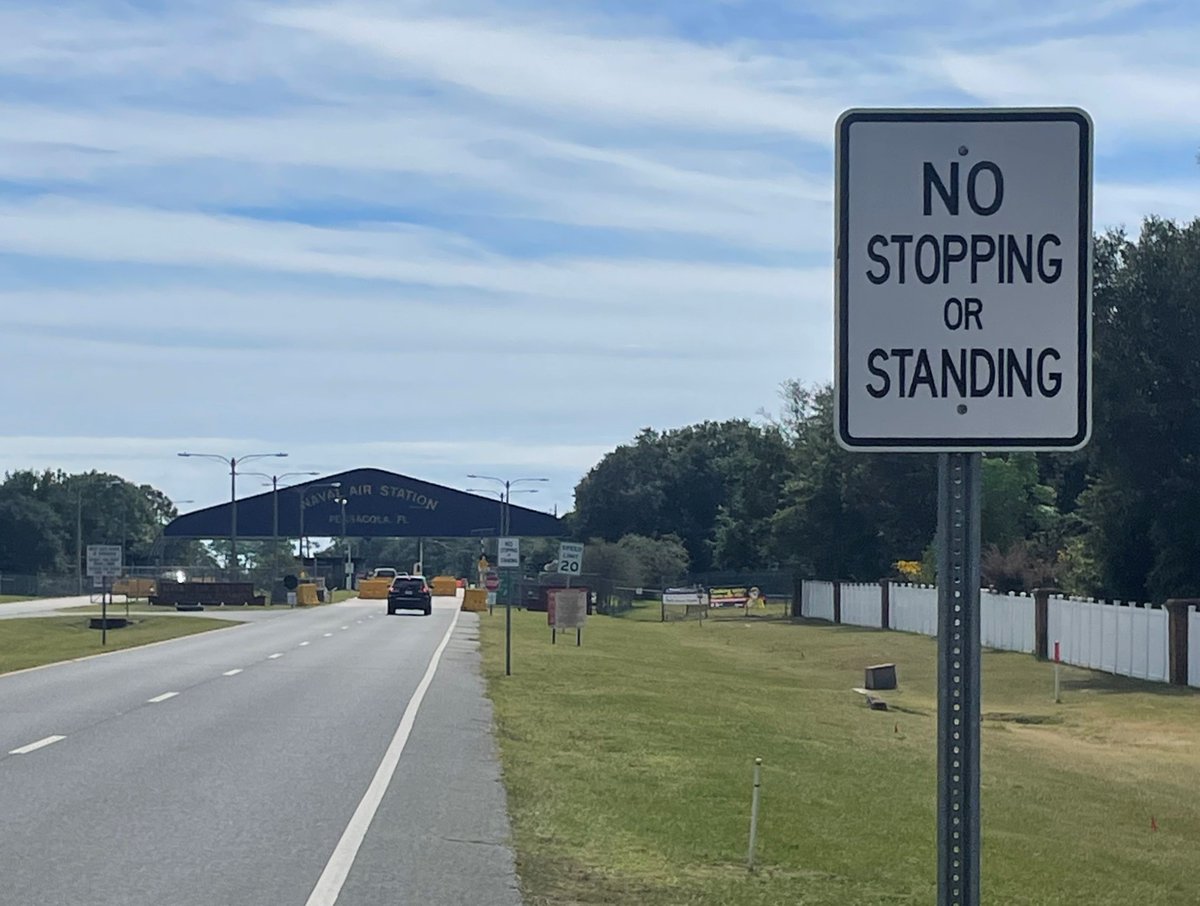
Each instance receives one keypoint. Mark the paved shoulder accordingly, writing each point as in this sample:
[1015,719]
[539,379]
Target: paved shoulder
[441,834]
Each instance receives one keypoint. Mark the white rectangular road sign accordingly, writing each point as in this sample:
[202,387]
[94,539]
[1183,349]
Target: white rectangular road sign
[509,554]
[964,279]
[570,558]
[103,560]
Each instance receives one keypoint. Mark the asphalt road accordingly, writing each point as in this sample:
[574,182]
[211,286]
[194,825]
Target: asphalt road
[247,784]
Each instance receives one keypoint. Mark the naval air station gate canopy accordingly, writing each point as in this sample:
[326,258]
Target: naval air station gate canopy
[379,504]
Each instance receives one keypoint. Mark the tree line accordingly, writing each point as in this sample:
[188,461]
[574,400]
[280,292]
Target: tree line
[1118,518]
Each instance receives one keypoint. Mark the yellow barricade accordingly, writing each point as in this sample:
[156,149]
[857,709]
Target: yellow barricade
[374,589]
[475,600]
[444,586]
[306,594]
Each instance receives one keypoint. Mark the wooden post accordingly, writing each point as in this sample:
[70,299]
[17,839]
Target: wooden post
[1177,639]
[1041,622]
[837,602]
[885,604]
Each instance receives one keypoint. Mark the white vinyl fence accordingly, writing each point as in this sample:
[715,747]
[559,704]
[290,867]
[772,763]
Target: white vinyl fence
[861,603]
[1121,638]
[1194,648]
[1118,638]
[1006,621]
[816,600]
[913,608]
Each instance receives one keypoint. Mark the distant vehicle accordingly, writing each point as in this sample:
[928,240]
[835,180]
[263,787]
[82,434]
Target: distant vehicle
[410,593]
[384,572]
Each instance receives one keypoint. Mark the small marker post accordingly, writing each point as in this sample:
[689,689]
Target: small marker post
[1057,685]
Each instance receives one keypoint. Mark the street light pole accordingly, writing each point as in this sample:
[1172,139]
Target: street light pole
[275,479]
[336,485]
[232,462]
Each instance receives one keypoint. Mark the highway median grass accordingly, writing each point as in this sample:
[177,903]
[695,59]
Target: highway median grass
[628,767]
[34,641]
[10,599]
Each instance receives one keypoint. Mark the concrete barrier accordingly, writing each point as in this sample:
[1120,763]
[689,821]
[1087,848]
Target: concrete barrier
[474,600]
[306,594]
[444,586]
[374,589]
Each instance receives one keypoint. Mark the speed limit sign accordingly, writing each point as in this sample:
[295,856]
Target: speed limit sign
[570,558]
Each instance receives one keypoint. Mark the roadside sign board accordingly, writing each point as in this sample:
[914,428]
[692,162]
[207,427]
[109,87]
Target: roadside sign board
[491,581]
[509,552]
[963,279]
[103,560]
[570,558]
[569,607]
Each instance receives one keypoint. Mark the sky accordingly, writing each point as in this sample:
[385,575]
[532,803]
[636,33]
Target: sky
[466,236]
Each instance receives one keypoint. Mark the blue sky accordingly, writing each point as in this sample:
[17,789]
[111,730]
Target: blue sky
[469,236]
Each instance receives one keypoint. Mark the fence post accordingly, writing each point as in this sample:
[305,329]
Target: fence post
[885,604]
[837,601]
[797,595]
[1177,639]
[1041,622]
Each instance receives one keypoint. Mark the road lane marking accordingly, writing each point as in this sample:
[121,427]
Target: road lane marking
[272,657]
[329,885]
[161,698]
[302,644]
[345,627]
[234,672]
[34,746]
[327,635]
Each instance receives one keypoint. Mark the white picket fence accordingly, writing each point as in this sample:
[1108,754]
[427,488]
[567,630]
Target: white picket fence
[1120,638]
[1006,621]
[816,600]
[913,608]
[860,603]
[1194,649]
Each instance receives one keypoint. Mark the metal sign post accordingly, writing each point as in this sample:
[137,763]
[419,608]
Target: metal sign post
[963,327]
[959,489]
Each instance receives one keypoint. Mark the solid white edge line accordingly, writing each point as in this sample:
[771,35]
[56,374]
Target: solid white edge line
[271,657]
[34,746]
[161,698]
[329,885]
[234,672]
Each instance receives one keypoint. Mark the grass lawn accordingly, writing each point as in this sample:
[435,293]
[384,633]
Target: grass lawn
[8,599]
[44,640]
[628,766]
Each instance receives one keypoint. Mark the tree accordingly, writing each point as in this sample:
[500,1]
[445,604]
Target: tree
[30,535]
[1144,492]
[848,515]
[657,561]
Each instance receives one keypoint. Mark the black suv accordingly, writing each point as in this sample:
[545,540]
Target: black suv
[410,593]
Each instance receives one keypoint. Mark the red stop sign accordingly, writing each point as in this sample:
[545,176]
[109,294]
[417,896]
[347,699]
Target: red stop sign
[491,581]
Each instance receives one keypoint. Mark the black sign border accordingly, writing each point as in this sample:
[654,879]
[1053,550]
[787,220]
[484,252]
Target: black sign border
[965,444]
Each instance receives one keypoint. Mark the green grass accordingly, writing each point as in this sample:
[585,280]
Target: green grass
[628,767]
[34,641]
[9,599]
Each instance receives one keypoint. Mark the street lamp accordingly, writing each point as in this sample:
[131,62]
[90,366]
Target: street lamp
[507,483]
[500,496]
[232,462]
[345,550]
[274,480]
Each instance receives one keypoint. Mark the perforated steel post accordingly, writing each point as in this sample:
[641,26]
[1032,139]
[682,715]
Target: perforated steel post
[958,678]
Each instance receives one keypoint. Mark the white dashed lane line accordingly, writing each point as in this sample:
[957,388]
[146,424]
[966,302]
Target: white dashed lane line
[326,635]
[302,644]
[234,672]
[345,627]
[161,698]
[34,746]
[272,657]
